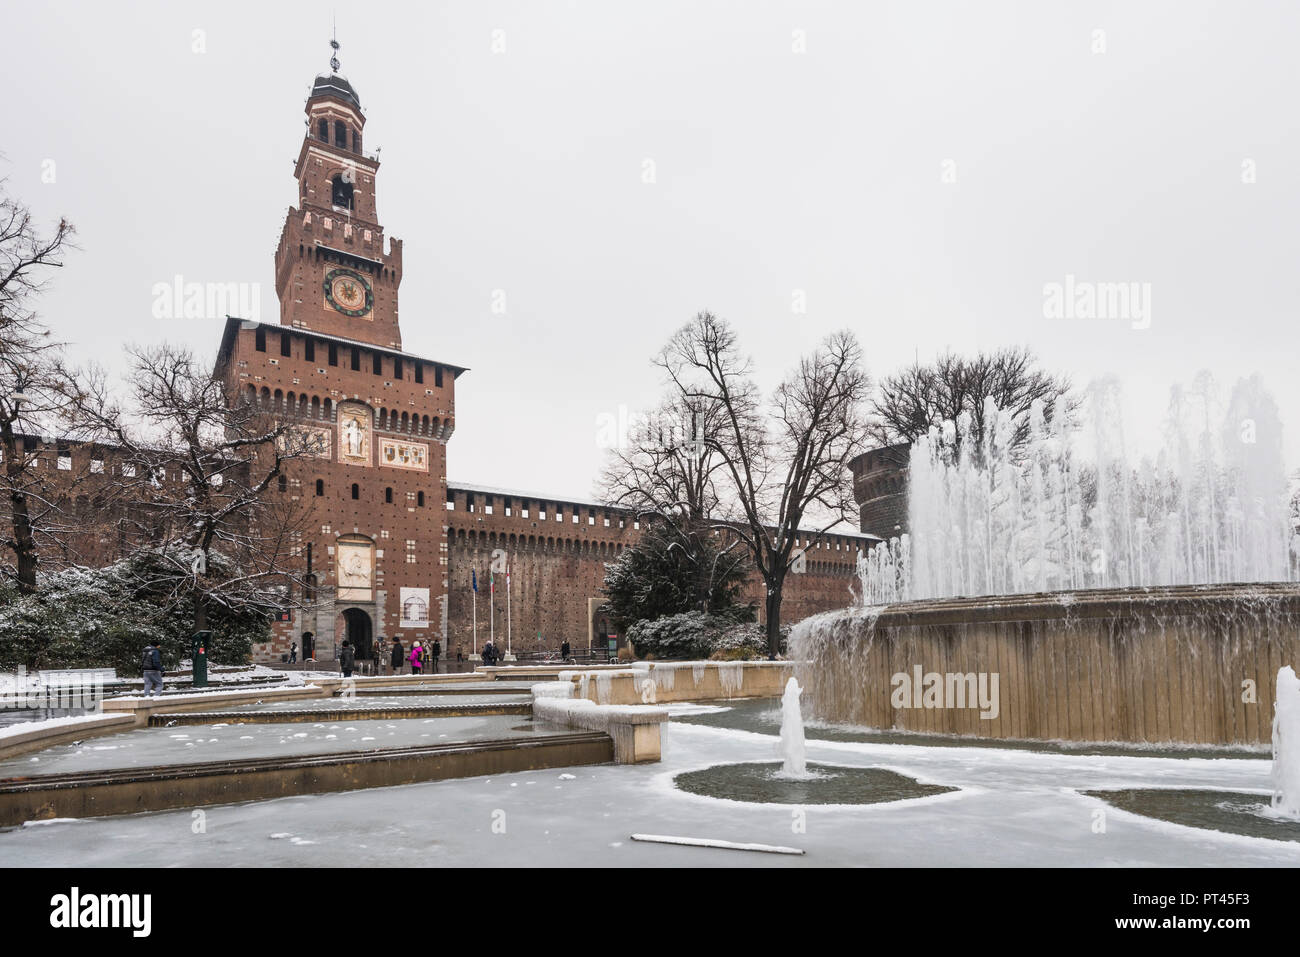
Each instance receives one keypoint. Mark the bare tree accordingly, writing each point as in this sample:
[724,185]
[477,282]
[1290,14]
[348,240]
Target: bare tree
[961,390]
[204,473]
[665,468]
[35,389]
[785,460]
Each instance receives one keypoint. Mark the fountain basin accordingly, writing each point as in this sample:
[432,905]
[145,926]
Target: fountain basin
[1189,664]
[766,783]
[1233,812]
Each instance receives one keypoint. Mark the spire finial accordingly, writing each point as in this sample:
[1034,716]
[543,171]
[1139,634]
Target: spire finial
[334,45]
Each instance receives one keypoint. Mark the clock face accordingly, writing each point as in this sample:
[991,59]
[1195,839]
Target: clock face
[349,292]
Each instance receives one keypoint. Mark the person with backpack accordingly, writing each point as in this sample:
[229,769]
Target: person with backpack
[293,653]
[152,669]
[347,658]
[417,658]
[436,653]
[399,656]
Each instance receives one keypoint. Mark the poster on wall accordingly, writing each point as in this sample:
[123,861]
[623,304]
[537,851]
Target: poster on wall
[415,607]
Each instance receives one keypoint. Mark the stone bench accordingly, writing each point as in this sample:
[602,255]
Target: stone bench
[634,728]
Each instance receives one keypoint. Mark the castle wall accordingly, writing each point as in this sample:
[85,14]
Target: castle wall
[558,569]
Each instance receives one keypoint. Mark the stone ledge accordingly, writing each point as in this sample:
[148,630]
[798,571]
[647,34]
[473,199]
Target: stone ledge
[141,707]
[634,728]
[49,734]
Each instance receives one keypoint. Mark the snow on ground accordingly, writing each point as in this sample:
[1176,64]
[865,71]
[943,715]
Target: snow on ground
[1016,808]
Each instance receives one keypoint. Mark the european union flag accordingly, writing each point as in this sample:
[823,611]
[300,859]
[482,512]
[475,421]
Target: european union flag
[474,575]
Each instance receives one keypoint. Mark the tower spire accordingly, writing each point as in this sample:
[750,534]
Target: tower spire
[334,45]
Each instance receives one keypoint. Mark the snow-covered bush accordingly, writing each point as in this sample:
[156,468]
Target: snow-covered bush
[697,635]
[742,643]
[687,635]
[85,618]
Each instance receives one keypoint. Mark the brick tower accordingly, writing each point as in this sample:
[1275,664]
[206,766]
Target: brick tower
[375,539]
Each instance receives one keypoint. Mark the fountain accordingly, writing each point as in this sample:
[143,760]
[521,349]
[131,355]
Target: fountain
[1107,598]
[794,781]
[1022,511]
[1286,745]
[792,743]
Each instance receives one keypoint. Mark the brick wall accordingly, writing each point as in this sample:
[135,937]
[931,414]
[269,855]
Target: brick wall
[558,567]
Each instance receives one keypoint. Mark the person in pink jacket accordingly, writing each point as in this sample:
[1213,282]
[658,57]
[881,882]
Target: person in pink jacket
[416,658]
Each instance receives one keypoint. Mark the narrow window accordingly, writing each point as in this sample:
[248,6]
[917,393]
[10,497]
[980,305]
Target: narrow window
[356,490]
[283,483]
[259,341]
[388,496]
[334,354]
[320,486]
[377,364]
[397,368]
[356,360]
[340,134]
[437,376]
[419,499]
[419,373]
[309,350]
[284,345]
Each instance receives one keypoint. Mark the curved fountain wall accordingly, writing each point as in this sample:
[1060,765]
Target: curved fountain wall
[1190,664]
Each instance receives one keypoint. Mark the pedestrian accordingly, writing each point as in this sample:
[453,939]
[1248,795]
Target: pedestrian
[564,650]
[347,658]
[399,656]
[489,654]
[460,653]
[437,653]
[151,667]
[380,645]
[417,658]
[293,653]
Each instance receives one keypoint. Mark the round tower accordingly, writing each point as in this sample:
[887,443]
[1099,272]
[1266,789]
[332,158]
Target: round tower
[880,489]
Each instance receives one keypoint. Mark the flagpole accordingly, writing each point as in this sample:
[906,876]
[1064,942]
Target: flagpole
[476,616]
[509,630]
[492,608]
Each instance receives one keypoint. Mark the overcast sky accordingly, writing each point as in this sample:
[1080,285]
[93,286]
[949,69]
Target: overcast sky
[915,171]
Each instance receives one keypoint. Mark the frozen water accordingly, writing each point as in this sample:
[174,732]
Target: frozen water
[144,747]
[1014,808]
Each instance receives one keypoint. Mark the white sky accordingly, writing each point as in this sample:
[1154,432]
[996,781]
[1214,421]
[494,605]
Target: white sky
[776,171]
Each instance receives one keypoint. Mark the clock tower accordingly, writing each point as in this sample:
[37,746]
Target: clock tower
[368,497]
[332,273]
